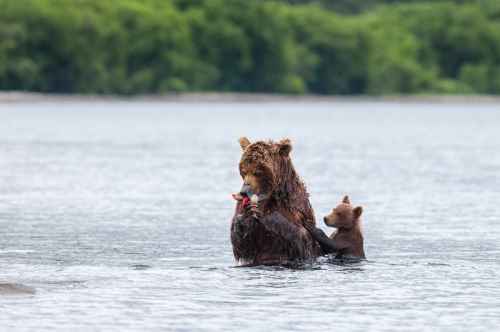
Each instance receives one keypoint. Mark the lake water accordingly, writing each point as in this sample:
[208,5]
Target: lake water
[116,215]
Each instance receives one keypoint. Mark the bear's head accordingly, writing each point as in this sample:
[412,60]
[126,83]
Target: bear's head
[344,216]
[267,170]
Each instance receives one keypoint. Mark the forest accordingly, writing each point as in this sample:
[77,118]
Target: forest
[333,47]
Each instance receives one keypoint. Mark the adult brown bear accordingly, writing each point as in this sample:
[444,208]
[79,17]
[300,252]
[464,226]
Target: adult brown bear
[272,231]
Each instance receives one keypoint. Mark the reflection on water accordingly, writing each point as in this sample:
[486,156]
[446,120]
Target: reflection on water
[117,215]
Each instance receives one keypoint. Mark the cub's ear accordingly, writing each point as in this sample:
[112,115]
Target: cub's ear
[357,212]
[244,142]
[284,147]
[346,200]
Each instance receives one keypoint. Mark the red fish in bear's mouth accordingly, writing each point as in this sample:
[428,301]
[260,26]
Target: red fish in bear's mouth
[244,195]
[244,199]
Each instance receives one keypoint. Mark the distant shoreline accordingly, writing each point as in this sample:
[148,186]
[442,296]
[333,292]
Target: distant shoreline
[218,97]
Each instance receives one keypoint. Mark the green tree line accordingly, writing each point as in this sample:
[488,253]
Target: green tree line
[323,47]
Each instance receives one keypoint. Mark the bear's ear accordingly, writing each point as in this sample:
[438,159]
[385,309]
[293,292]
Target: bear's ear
[357,212]
[244,142]
[284,147]
[346,200]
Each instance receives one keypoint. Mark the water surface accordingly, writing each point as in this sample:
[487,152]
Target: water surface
[116,215]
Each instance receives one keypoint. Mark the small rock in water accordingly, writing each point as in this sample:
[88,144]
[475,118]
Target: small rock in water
[15,289]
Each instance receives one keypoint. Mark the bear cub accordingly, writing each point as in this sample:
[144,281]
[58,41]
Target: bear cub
[347,241]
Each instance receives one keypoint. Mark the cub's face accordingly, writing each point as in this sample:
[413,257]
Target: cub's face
[344,215]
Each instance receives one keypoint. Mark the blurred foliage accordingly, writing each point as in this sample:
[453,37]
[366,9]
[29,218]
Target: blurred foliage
[293,46]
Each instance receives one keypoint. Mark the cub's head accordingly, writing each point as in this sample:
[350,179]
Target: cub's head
[262,164]
[344,215]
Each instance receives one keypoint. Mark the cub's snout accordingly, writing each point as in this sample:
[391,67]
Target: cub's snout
[330,220]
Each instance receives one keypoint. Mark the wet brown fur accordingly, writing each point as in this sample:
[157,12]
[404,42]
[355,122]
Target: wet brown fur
[267,167]
[349,234]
